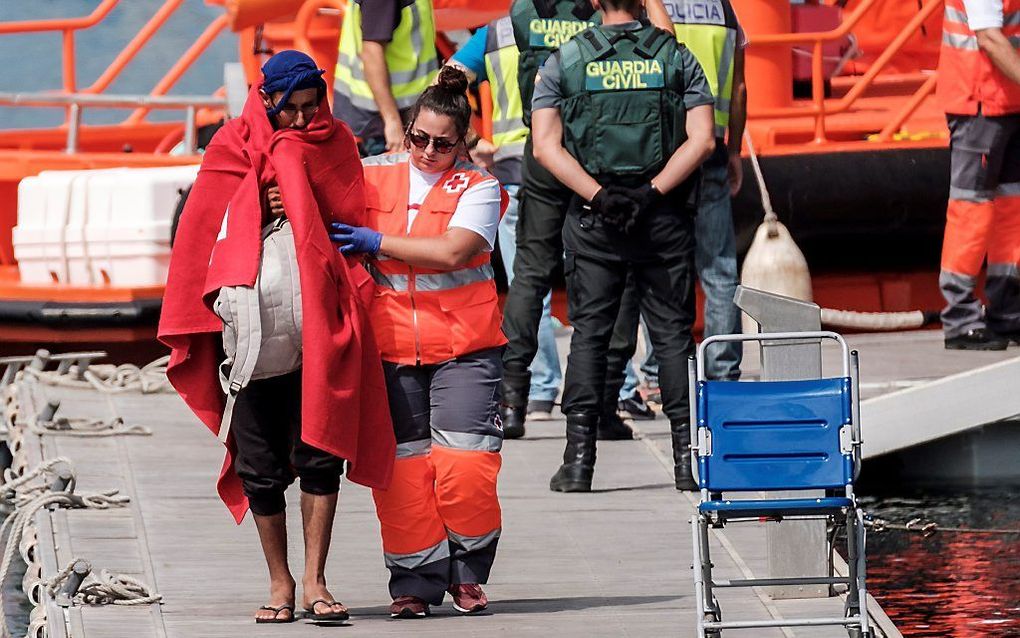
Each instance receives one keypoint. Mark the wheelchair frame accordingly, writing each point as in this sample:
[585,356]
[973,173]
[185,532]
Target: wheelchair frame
[837,511]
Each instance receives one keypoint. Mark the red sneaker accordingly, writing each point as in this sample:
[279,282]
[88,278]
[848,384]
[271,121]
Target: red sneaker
[468,598]
[409,607]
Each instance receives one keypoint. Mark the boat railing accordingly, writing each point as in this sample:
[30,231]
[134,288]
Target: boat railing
[819,107]
[76,102]
[76,98]
[303,20]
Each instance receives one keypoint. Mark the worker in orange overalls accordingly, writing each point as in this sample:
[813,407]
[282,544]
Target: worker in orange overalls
[979,88]
[432,218]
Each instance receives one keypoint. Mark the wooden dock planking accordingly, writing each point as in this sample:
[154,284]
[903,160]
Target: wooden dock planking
[612,563]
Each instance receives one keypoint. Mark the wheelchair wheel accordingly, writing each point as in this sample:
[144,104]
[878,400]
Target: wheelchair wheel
[713,616]
[712,633]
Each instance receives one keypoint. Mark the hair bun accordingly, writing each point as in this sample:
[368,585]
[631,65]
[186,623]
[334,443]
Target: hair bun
[452,80]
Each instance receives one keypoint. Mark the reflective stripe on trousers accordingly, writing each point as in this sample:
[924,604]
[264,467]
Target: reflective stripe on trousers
[982,220]
[441,519]
[974,230]
[415,545]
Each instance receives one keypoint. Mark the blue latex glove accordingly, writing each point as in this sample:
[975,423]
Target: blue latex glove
[355,239]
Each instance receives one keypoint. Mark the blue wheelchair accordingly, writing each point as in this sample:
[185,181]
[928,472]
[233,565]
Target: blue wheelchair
[749,437]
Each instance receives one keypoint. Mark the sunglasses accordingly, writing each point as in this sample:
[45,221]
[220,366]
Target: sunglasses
[291,110]
[442,145]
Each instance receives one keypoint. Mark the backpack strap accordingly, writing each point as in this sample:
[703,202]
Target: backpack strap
[651,41]
[248,320]
[594,44]
[249,343]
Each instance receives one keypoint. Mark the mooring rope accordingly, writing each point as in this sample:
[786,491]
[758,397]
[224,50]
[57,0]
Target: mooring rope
[106,589]
[17,521]
[12,483]
[929,528]
[111,379]
[88,427]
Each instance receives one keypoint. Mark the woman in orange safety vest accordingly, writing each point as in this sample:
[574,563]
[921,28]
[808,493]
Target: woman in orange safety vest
[432,219]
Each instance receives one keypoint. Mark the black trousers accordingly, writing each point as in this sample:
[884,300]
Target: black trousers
[543,206]
[623,344]
[658,254]
[266,427]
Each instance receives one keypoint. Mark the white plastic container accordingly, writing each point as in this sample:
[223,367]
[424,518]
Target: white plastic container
[44,204]
[76,248]
[127,233]
[98,227]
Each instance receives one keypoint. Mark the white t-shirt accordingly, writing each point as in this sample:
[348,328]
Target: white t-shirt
[477,209]
[983,14]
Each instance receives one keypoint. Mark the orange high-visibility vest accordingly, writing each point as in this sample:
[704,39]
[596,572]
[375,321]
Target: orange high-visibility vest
[422,315]
[968,81]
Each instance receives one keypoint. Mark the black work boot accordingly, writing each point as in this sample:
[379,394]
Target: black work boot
[513,421]
[611,425]
[579,456]
[681,435]
[612,428]
[514,409]
[977,339]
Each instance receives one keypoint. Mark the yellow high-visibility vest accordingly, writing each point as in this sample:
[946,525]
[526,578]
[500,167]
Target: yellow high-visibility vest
[410,56]
[501,58]
[709,29]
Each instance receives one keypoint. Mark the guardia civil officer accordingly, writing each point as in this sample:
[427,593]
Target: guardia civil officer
[539,28]
[710,30]
[622,115]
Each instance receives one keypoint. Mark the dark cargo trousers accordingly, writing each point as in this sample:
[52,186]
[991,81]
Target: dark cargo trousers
[543,205]
[659,255]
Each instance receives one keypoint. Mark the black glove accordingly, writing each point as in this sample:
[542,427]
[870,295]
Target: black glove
[599,204]
[645,196]
[615,208]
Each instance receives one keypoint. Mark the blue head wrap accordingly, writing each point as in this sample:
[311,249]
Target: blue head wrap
[290,71]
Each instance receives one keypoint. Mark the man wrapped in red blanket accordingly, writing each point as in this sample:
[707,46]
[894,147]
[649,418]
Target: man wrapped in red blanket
[286,154]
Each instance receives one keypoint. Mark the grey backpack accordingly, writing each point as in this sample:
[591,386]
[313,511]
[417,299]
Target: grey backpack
[261,324]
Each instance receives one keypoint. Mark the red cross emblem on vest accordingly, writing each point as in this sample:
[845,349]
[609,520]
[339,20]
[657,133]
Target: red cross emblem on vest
[456,183]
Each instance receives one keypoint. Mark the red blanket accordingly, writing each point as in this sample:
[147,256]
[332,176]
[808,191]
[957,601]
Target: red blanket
[343,400]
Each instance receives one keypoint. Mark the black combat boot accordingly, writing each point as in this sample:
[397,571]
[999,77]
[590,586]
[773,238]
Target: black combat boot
[514,408]
[681,434]
[611,426]
[579,456]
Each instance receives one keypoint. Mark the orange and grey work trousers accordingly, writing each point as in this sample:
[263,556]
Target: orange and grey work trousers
[982,220]
[440,519]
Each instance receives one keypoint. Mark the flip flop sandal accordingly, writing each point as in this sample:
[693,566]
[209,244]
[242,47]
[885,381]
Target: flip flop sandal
[329,615]
[276,620]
